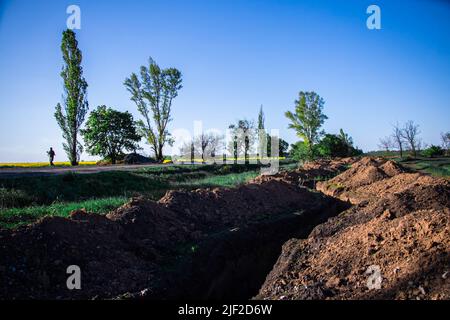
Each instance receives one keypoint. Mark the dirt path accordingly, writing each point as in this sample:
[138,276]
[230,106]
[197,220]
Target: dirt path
[43,171]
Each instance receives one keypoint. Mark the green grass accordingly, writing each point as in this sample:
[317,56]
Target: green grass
[24,200]
[15,217]
[439,167]
[229,180]
[71,187]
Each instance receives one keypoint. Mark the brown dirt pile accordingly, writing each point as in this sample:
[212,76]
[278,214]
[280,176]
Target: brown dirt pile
[372,178]
[125,251]
[399,227]
[310,172]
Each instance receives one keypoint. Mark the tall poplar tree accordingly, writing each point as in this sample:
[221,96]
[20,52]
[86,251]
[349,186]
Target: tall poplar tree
[71,115]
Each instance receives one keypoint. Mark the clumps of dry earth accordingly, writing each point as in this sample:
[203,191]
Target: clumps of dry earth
[394,243]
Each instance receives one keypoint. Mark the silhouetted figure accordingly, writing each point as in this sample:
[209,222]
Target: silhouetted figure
[51,155]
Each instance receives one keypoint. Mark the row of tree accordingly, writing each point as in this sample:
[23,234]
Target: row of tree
[108,132]
[406,137]
[246,139]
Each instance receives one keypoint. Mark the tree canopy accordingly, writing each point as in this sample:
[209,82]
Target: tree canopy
[308,118]
[71,115]
[108,132]
[153,94]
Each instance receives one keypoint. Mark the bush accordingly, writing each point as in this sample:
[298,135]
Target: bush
[10,198]
[135,158]
[433,151]
[334,146]
[300,151]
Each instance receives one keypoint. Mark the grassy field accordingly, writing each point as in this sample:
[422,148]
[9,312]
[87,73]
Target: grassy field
[438,167]
[25,199]
[42,164]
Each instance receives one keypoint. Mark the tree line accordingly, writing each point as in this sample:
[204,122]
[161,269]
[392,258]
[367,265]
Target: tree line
[108,132]
[406,139]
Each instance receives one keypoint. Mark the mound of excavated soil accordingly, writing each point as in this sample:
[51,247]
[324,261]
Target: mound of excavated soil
[126,250]
[310,172]
[398,234]
[355,184]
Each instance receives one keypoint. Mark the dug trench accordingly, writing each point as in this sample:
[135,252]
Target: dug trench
[234,263]
[202,244]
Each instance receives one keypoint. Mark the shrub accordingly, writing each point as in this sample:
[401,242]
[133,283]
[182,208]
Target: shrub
[334,146]
[10,198]
[300,151]
[433,151]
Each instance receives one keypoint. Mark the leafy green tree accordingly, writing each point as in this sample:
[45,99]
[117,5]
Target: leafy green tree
[108,132]
[332,146]
[71,117]
[153,95]
[307,118]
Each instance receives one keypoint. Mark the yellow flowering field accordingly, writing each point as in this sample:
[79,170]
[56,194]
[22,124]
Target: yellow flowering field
[42,164]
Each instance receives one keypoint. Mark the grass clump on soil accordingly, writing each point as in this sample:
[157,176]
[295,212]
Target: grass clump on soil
[336,186]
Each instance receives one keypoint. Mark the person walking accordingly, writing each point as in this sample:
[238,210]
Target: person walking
[51,155]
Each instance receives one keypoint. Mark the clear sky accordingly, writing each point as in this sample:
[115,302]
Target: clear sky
[234,55]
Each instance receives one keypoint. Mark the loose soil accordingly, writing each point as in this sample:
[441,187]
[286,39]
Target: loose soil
[399,225]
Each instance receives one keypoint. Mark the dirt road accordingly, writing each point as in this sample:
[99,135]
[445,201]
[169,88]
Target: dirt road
[43,171]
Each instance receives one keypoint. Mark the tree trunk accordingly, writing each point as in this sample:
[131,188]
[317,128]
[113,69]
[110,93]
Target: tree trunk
[310,147]
[160,153]
[74,161]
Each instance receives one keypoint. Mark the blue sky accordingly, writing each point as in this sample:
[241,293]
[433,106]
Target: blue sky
[234,55]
